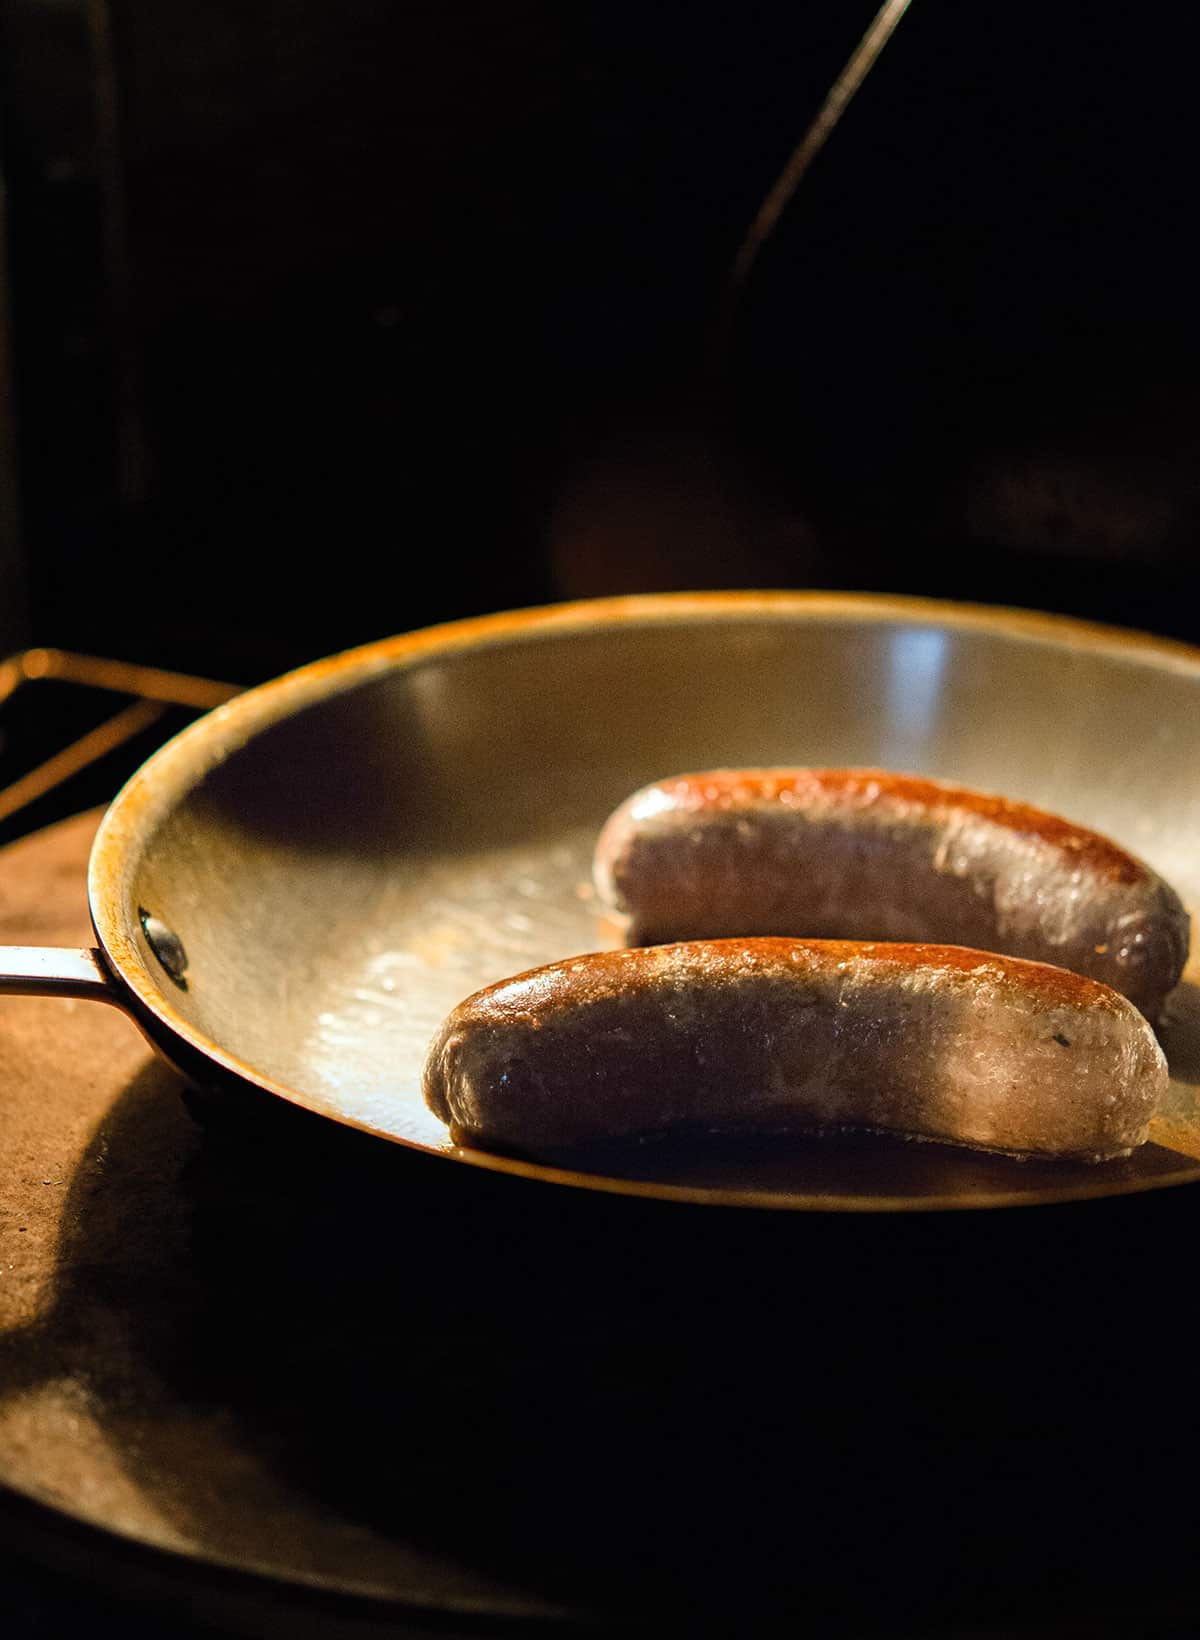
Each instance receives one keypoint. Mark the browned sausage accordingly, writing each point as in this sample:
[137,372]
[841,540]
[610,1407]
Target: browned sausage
[785,1035]
[864,854]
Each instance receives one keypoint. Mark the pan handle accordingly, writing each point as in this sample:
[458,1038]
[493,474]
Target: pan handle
[50,971]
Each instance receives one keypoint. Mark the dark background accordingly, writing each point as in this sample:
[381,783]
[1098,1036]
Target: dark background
[332,320]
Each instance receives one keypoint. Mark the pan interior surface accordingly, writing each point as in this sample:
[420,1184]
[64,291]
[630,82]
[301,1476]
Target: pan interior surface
[348,852]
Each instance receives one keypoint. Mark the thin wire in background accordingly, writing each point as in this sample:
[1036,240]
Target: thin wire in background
[859,65]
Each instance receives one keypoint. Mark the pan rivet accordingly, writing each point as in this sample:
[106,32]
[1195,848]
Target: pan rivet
[167,947]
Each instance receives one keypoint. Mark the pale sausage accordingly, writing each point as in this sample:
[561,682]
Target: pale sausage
[867,854]
[777,1035]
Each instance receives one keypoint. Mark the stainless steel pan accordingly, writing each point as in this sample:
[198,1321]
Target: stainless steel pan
[291,894]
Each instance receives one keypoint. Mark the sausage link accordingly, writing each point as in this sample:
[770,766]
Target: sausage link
[926,1041]
[866,854]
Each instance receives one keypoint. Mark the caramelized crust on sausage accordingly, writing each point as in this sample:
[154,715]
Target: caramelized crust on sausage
[779,1035]
[867,854]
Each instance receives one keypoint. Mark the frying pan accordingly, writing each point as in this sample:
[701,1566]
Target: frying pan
[290,895]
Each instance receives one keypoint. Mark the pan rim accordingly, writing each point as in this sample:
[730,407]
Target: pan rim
[166,777]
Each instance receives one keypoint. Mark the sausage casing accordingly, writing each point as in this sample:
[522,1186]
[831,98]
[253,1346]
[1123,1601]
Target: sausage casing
[784,1035]
[867,854]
